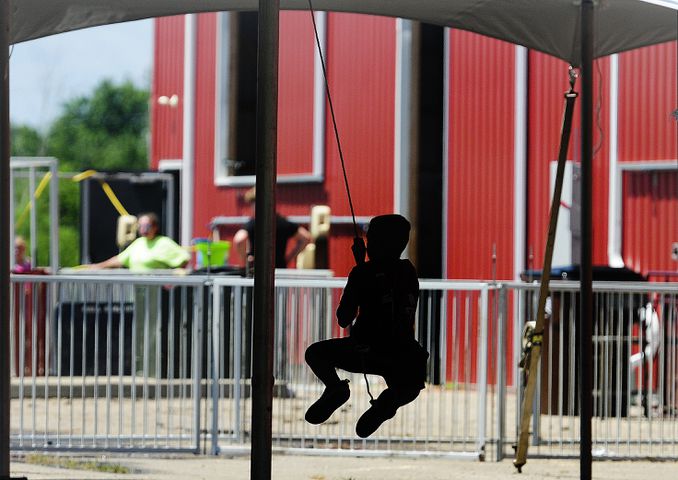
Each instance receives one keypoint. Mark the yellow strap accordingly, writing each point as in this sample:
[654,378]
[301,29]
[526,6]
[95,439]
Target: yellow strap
[114,200]
[106,188]
[76,178]
[81,176]
[38,191]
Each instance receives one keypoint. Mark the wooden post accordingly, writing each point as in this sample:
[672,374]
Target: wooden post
[585,366]
[4,239]
[264,259]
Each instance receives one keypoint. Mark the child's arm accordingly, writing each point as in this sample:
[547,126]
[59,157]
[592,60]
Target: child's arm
[409,297]
[348,305]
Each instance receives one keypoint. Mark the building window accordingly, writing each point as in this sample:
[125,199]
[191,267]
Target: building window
[236,96]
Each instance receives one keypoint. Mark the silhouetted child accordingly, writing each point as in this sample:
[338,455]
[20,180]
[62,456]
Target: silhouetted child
[383,293]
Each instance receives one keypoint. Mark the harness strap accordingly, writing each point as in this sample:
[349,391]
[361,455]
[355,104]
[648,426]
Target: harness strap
[535,349]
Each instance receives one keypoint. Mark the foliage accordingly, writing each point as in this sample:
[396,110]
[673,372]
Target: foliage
[106,131]
[26,141]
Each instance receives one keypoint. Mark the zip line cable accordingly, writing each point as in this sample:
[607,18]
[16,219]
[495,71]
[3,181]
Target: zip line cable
[358,244]
[334,121]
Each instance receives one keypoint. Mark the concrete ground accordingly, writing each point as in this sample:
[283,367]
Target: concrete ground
[294,467]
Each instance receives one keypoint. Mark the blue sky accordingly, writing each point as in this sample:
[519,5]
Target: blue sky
[47,72]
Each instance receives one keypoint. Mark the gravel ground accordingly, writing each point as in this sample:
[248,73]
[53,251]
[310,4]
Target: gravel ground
[292,467]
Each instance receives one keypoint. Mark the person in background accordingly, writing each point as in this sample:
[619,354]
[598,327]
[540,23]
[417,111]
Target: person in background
[243,241]
[148,252]
[22,263]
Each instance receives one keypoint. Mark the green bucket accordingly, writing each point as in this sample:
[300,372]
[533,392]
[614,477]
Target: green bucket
[213,253]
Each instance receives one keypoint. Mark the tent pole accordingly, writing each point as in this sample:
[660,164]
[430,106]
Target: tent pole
[4,240]
[586,296]
[264,273]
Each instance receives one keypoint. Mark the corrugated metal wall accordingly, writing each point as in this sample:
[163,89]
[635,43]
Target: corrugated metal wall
[361,64]
[481,142]
[647,86]
[168,66]
[650,219]
[601,159]
[295,93]
[361,68]
[205,113]
[647,132]
[480,183]
[548,81]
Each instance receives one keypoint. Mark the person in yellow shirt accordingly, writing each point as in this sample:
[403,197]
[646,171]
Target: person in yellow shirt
[148,252]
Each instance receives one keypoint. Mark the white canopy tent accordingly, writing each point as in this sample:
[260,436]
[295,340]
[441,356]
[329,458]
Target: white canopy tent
[550,26]
[573,30]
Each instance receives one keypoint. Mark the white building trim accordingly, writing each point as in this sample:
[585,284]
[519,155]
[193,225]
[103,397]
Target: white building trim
[187,176]
[403,117]
[446,152]
[520,161]
[614,222]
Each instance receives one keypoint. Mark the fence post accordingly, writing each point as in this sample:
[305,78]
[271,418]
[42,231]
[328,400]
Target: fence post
[536,400]
[216,363]
[501,371]
[237,357]
[197,365]
[482,372]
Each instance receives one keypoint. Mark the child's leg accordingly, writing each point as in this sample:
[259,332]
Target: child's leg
[384,408]
[324,358]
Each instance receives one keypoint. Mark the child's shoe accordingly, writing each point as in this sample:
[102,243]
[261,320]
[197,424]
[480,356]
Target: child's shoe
[331,399]
[372,419]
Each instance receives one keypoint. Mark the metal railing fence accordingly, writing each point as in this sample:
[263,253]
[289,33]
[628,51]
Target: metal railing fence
[635,370]
[163,363]
[447,418]
[102,363]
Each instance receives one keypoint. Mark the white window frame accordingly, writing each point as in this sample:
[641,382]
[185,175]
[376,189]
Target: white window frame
[222,138]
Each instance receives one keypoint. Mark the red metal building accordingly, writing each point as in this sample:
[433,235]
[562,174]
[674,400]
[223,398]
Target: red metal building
[457,131]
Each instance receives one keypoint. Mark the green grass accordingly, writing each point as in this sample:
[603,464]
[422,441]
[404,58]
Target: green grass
[72,464]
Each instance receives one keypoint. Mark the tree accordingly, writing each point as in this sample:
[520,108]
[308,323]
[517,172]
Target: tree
[25,141]
[105,131]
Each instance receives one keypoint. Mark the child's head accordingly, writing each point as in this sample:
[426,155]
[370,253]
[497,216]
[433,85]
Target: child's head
[387,236]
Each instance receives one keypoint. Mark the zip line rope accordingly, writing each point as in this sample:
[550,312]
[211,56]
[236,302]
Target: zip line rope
[358,248]
[334,120]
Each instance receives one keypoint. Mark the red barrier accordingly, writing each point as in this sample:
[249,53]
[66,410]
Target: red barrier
[30,307]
